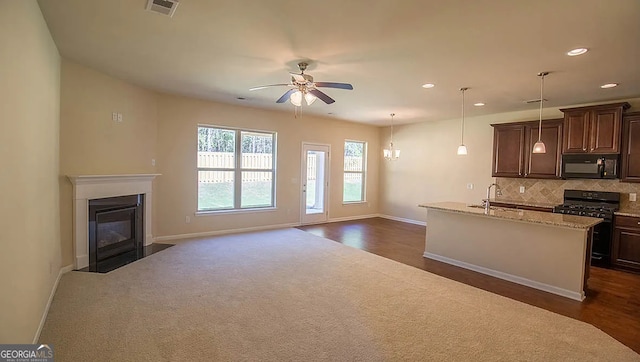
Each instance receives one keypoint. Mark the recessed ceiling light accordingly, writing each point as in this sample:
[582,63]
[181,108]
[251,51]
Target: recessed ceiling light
[609,85]
[428,85]
[577,51]
[479,104]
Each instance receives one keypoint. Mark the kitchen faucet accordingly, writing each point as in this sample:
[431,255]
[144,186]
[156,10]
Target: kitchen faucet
[486,201]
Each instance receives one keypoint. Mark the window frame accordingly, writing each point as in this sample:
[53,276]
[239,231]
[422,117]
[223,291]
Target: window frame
[363,172]
[237,171]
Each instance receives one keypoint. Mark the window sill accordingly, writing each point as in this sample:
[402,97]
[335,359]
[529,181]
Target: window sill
[235,211]
[354,203]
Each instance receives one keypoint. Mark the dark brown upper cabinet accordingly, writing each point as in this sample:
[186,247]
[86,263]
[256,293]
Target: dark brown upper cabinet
[508,150]
[513,145]
[631,147]
[593,129]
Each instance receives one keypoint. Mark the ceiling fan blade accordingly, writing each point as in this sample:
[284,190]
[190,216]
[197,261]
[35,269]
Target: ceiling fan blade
[325,98]
[267,86]
[286,96]
[298,77]
[334,85]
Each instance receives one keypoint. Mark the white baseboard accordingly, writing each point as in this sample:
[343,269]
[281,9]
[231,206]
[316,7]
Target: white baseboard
[223,232]
[62,271]
[509,277]
[401,219]
[351,218]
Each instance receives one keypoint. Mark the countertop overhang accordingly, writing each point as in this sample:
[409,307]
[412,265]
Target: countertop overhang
[536,217]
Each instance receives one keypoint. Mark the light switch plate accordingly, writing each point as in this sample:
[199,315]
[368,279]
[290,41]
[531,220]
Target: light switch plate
[522,189]
[470,186]
[632,196]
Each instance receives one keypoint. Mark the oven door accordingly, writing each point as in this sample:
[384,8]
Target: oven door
[601,244]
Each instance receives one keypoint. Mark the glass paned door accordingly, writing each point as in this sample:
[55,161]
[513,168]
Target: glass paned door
[315,162]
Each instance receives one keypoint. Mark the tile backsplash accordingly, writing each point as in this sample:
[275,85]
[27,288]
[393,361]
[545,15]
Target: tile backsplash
[551,191]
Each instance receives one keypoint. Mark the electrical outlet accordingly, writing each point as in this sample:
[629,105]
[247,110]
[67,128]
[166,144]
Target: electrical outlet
[469,186]
[187,219]
[119,117]
[522,189]
[153,162]
[632,196]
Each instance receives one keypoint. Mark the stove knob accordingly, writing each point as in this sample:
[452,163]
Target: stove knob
[581,213]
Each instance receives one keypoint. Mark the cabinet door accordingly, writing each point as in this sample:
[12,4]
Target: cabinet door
[544,165]
[631,148]
[508,147]
[604,131]
[576,131]
[626,248]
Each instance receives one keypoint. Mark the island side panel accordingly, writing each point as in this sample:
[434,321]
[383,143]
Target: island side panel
[550,255]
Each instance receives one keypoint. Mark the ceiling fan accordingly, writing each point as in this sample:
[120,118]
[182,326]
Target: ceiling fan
[302,85]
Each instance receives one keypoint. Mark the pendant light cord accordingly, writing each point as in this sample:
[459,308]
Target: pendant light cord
[541,102]
[462,130]
[391,143]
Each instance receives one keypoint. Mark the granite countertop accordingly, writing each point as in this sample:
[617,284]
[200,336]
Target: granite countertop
[538,217]
[628,212]
[526,203]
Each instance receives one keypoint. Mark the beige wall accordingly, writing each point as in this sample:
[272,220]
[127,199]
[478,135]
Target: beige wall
[29,128]
[429,169]
[91,143]
[164,127]
[176,195]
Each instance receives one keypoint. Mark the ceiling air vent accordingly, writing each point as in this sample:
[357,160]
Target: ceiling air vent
[164,7]
[535,101]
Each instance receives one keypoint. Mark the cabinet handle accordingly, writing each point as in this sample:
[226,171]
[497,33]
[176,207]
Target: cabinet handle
[584,149]
[638,222]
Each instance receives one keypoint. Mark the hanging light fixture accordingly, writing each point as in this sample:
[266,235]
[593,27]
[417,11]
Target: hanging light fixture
[391,153]
[309,98]
[539,147]
[462,149]
[296,98]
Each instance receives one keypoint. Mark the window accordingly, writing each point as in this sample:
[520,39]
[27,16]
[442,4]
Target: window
[236,169]
[354,171]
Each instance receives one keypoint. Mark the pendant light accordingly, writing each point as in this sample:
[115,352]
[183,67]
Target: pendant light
[539,146]
[462,149]
[391,153]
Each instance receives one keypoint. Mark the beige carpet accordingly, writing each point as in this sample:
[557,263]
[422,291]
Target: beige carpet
[287,295]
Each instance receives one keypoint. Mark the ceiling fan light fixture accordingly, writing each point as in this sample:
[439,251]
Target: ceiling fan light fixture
[309,98]
[296,98]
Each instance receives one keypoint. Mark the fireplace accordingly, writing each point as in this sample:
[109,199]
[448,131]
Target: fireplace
[116,231]
[87,188]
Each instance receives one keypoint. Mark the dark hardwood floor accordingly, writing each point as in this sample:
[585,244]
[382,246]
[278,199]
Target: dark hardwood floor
[613,297]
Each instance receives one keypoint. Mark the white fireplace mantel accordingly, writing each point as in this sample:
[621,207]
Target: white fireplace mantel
[88,187]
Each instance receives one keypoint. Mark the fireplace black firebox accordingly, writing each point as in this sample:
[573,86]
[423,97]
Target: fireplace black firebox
[116,230]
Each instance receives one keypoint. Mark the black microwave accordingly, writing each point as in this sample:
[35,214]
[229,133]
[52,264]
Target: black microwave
[589,166]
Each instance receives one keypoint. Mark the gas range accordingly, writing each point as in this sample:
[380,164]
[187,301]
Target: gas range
[589,203]
[601,211]
[594,204]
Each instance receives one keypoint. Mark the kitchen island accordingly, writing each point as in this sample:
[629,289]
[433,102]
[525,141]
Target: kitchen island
[542,250]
